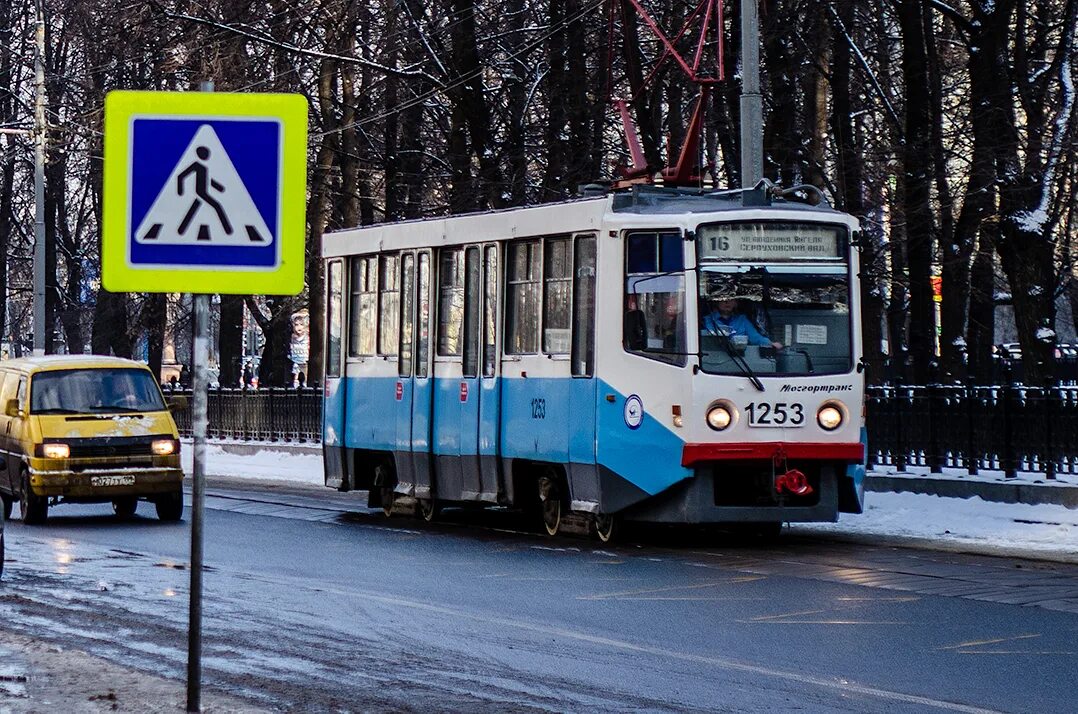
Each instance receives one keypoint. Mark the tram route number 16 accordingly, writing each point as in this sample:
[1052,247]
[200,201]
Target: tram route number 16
[538,408]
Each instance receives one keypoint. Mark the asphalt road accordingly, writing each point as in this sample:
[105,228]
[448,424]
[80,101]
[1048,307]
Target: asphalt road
[314,603]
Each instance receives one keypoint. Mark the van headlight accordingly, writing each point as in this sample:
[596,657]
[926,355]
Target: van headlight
[55,451]
[830,416]
[163,447]
[720,416]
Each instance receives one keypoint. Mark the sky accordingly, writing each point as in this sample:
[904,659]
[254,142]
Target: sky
[971,524]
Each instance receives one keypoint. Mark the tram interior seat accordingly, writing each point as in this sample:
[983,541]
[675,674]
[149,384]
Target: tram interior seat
[819,339]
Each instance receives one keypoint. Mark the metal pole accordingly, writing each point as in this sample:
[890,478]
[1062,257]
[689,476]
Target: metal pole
[39,184]
[752,112]
[199,400]
[199,403]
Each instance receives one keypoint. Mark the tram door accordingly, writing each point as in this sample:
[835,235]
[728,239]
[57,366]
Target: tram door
[479,395]
[333,427]
[489,384]
[420,382]
[404,390]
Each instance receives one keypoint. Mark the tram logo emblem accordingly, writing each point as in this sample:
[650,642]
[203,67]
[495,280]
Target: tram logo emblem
[204,200]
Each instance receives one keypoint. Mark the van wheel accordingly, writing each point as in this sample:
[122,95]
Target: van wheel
[6,503]
[124,508]
[170,506]
[33,509]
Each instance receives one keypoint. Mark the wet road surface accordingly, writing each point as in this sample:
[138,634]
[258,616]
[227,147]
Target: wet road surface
[315,603]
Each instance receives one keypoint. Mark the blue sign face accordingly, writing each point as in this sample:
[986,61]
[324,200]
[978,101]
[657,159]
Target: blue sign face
[205,192]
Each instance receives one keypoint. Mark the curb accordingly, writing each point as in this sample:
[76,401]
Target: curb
[1030,494]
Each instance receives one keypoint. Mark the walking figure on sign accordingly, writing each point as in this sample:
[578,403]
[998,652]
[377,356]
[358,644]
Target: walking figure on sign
[201,192]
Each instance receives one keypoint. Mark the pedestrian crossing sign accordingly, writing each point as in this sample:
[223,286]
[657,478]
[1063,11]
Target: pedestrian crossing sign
[204,193]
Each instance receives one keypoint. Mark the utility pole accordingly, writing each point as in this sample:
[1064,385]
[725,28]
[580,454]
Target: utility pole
[39,185]
[752,110]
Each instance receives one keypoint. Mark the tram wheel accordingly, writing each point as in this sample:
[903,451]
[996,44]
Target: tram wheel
[606,526]
[428,509]
[383,476]
[550,500]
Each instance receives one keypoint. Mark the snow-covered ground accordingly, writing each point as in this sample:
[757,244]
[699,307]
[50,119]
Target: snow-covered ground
[1047,530]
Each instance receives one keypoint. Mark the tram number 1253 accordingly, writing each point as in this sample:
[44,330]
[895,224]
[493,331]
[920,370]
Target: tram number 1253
[777,414]
[538,409]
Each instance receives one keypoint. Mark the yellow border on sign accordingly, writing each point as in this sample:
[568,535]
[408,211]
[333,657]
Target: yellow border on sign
[118,276]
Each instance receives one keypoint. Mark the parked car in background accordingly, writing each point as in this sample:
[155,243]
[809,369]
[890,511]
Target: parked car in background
[86,429]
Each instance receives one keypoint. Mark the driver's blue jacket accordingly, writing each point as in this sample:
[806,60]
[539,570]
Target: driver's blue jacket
[733,326]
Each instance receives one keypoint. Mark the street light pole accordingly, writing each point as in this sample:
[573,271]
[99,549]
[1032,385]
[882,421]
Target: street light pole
[752,132]
[39,184]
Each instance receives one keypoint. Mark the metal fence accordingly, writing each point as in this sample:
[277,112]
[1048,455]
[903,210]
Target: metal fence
[269,414]
[1008,428]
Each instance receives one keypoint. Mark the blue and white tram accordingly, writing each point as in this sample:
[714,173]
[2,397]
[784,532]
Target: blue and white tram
[568,358]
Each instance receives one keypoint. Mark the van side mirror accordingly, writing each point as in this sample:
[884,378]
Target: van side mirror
[176,404]
[12,408]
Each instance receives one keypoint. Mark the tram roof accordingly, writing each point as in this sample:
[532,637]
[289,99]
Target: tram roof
[579,214]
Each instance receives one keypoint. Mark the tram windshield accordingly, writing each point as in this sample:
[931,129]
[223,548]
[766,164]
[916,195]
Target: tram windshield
[774,299]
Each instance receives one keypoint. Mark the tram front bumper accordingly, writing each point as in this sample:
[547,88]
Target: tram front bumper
[741,483]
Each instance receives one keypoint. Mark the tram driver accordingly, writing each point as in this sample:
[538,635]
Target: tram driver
[725,319]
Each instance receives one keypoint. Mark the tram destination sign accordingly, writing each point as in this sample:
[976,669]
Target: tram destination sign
[769,242]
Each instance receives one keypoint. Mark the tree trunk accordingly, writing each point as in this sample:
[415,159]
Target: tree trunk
[917,173]
[230,341]
[980,329]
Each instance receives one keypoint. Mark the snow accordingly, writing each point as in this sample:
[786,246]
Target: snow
[266,464]
[1047,530]
[1045,333]
[1043,529]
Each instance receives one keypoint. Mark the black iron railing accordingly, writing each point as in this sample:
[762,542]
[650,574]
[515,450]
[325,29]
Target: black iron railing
[268,414]
[1008,428]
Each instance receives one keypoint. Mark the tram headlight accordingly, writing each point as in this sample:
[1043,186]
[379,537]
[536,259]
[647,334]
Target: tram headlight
[830,416]
[719,417]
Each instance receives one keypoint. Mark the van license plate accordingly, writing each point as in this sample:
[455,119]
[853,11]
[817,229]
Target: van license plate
[112,480]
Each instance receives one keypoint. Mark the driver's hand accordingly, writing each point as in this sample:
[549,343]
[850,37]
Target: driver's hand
[777,345]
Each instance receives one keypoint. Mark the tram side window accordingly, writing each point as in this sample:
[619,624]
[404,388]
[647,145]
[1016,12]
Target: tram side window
[523,264]
[654,320]
[557,284]
[404,365]
[389,306]
[364,308]
[334,300]
[584,307]
[450,301]
[490,310]
[422,348]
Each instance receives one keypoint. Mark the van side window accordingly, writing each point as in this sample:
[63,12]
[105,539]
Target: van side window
[21,395]
[9,388]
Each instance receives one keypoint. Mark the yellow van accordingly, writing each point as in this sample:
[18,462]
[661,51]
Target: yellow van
[86,429]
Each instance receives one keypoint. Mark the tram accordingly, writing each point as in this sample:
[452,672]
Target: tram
[656,355]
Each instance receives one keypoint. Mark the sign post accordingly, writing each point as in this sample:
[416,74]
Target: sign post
[204,193]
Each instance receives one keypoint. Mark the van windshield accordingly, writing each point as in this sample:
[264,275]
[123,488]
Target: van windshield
[94,391]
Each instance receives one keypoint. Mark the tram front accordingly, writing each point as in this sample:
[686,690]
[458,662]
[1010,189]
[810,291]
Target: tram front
[774,429]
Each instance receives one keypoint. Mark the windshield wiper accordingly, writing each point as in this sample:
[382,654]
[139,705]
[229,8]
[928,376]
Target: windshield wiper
[55,410]
[114,408]
[737,359]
